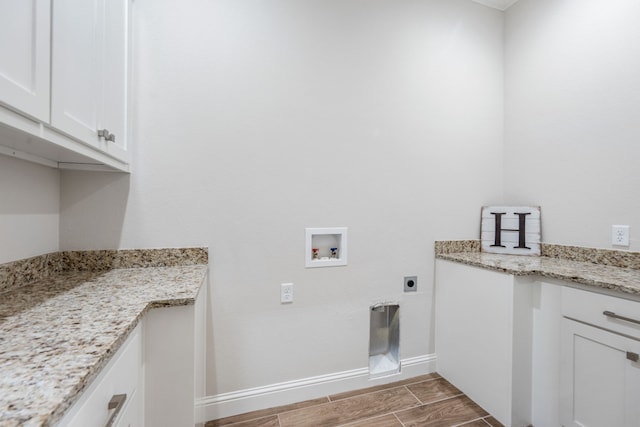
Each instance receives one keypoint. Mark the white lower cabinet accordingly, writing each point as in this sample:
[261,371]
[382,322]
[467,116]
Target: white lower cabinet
[121,377]
[600,375]
[537,351]
[160,369]
[484,338]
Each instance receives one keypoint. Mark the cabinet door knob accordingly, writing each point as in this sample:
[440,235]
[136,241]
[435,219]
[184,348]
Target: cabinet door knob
[104,133]
[633,356]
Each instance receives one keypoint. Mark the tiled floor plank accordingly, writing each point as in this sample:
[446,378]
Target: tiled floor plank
[384,421]
[271,421]
[265,412]
[349,410]
[427,400]
[445,413]
[353,393]
[431,391]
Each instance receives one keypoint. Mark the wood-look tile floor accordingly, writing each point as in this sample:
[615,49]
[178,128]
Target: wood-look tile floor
[428,400]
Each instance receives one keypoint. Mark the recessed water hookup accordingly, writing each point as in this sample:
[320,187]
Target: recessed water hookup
[410,283]
[325,247]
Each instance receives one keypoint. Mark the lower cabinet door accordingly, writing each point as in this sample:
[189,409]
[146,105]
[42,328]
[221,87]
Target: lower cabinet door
[600,382]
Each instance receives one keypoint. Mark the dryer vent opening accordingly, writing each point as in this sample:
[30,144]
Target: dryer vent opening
[384,340]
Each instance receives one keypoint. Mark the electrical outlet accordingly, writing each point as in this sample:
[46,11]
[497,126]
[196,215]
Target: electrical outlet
[620,235]
[286,292]
[410,283]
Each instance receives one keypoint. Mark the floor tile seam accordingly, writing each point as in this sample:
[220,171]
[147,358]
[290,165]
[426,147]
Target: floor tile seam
[487,417]
[416,381]
[427,404]
[471,421]
[399,420]
[248,420]
[415,404]
[437,400]
[414,396]
[304,407]
[364,394]
[446,398]
[424,381]
[350,423]
[391,387]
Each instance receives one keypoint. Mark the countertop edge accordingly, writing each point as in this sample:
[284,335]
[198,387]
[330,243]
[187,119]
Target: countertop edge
[576,267]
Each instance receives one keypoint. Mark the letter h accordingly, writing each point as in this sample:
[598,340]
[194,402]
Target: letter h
[520,230]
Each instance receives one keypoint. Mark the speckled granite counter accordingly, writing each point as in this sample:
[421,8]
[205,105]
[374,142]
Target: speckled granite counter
[57,332]
[605,269]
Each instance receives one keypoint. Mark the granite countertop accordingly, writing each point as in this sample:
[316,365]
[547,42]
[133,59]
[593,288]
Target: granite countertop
[603,275]
[57,333]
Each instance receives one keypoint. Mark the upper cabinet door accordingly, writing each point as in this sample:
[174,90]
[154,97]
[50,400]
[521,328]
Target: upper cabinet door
[75,79]
[114,105]
[89,73]
[25,56]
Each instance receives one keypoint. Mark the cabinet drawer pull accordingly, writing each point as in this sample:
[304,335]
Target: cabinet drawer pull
[616,316]
[633,356]
[115,405]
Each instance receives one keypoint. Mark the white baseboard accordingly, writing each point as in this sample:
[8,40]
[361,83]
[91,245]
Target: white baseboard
[241,401]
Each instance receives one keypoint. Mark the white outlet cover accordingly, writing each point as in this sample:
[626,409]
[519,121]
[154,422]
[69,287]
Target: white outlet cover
[620,235]
[286,293]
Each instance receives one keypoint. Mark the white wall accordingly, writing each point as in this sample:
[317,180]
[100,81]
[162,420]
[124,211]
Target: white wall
[572,116]
[257,119]
[29,209]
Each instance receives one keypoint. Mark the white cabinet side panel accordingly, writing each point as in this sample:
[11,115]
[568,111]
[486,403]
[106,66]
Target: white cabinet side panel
[169,354]
[473,334]
[547,323]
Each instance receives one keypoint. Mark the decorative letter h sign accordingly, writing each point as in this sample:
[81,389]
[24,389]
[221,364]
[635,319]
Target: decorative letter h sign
[511,230]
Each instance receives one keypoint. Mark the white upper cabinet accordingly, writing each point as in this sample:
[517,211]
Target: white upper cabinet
[89,70]
[24,56]
[63,82]
[75,70]
[115,77]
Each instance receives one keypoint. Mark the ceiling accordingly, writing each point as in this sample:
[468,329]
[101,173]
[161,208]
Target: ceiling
[497,4]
